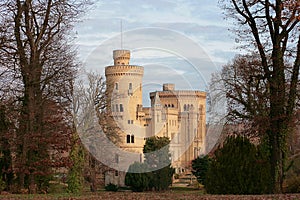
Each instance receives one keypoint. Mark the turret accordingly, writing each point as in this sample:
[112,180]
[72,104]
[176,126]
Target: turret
[121,57]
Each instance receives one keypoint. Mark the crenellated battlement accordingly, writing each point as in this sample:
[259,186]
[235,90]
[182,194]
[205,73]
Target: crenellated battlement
[121,53]
[121,70]
[180,93]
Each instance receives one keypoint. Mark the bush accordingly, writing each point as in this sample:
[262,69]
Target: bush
[158,159]
[138,182]
[239,167]
[111,187]
[75,177]
[160,177]
[200,167]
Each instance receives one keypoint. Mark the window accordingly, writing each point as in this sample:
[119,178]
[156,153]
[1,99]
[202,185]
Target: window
[130,121]
[116,173]
[121,108]
[116,86]
[130,93]
[128,139]
[117,108]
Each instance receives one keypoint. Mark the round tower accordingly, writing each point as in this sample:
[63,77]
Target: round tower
[124,86]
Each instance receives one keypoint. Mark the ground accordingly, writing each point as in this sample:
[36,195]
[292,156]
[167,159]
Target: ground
[182,195]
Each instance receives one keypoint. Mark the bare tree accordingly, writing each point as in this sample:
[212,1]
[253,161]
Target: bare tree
[247,94]
[271,28]
[94,122]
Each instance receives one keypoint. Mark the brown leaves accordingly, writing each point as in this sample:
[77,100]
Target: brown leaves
[160,195]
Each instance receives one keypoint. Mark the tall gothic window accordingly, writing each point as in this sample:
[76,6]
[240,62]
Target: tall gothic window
[128,139]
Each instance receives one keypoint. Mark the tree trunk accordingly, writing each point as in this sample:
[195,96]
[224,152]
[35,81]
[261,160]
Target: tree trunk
[277,117]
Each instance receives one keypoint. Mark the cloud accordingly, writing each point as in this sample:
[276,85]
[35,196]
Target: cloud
[180,41]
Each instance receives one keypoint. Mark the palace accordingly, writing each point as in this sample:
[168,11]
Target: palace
[177,114]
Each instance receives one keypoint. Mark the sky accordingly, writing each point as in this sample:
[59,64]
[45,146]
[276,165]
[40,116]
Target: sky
[176,41]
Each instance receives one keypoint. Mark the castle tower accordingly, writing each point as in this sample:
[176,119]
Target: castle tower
[124,86]
[158,116]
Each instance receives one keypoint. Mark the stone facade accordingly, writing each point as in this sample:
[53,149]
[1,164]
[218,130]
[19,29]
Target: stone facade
[177,114]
